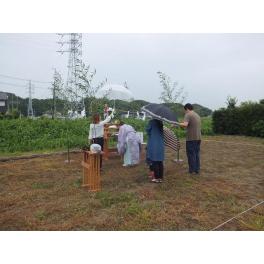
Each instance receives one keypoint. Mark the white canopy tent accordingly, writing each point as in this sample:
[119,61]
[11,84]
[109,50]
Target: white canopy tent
[115,92]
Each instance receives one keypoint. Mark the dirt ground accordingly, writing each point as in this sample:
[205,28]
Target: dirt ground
[46,193]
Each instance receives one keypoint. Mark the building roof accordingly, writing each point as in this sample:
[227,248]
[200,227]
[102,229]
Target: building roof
[3,96]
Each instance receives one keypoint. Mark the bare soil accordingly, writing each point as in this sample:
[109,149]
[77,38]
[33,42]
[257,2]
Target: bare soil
[45,193]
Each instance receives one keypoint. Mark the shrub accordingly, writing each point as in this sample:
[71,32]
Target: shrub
[258,128]
[29,135]
[243,120]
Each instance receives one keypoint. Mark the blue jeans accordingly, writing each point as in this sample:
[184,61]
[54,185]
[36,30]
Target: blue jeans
[193,154]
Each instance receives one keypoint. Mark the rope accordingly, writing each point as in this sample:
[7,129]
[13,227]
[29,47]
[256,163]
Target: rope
[237,215]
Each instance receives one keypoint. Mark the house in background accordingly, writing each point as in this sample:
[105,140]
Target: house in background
[3,102]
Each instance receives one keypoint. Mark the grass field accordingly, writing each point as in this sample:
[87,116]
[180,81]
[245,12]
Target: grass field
[46,194]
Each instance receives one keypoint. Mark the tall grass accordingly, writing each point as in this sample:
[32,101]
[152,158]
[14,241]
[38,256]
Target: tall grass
[19,135]
[23,135]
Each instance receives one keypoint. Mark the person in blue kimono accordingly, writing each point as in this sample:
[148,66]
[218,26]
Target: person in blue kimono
[155,149]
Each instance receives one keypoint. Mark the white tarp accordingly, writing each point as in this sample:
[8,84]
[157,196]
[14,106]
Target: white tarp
[115,92]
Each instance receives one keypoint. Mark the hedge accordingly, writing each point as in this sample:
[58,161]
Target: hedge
[247,119]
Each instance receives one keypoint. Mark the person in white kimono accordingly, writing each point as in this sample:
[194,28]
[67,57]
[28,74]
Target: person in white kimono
[128,144]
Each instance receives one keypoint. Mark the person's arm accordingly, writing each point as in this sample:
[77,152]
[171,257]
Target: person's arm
[107,120]
[90,133]
[185,122]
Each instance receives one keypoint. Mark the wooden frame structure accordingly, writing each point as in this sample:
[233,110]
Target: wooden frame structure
[107,150]
[91,171]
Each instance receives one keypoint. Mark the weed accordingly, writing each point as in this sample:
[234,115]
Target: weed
[40,215]
[77,183]
[134,208]
[41,185]
[107,199]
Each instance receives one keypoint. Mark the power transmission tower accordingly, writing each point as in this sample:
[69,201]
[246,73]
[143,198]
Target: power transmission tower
[54,100]
[12,103]
[74,48]
[30,109]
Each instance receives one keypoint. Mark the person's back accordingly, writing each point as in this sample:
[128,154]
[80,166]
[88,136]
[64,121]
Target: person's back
[155,140]
[128,145]
[155,149]
[194,126]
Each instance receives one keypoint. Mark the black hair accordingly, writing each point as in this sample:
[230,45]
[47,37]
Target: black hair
[188,106]
[121,122]
[160,125]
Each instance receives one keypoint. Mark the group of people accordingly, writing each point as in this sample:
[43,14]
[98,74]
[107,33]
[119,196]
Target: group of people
[129,143]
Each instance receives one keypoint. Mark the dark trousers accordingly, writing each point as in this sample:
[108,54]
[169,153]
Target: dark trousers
[157,167]
[193,154]
[99,141]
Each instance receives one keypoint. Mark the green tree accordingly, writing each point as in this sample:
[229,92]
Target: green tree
[86,86]
[57,91]
[231,102]
[171,93]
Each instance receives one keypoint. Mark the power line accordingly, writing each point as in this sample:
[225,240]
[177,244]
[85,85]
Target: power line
[21,79]
[13,84]
[16,78]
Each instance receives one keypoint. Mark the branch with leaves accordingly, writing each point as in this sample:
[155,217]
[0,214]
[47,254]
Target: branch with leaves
[57,90]
[85,84]
[171,93]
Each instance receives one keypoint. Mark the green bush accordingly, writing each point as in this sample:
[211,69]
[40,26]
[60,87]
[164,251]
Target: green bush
[18,135]
[258,129]
[22,135]
[243,120]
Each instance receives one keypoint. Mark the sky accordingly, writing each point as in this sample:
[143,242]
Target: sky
[210,67]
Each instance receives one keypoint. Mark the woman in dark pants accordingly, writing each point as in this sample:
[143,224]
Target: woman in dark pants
[96,133]
[155,149]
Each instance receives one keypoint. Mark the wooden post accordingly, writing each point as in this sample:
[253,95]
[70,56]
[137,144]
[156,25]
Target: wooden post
[91,171]
[143,152]
[107,150]
[106,141]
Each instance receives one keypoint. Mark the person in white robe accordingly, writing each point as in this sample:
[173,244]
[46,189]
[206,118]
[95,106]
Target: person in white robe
[128,145]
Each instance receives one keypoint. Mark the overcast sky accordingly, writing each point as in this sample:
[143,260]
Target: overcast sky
[209,66]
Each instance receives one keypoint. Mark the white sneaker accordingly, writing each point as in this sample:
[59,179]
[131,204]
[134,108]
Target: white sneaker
[155,180]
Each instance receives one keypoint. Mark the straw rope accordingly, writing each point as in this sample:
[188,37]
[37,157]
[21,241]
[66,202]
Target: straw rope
[237,216]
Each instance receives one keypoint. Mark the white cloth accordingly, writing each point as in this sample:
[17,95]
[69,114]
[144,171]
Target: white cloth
[97,130]
[128,144]
[95,148]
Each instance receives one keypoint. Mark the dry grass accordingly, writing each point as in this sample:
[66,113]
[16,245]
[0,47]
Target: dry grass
[45,193]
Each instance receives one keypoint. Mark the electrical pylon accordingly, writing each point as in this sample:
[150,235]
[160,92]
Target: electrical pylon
[74,48]
[30,108]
